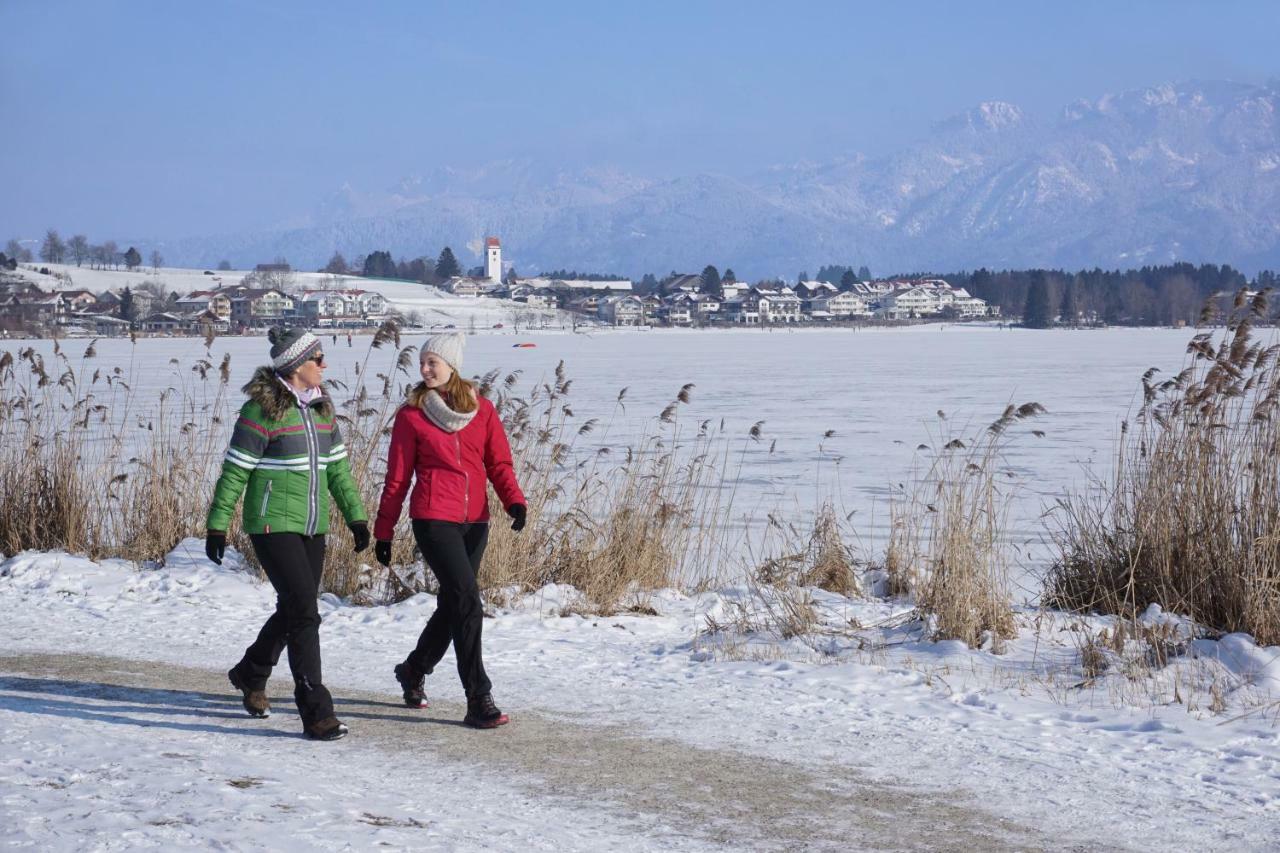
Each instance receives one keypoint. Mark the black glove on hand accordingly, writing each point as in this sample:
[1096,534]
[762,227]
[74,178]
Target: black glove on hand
[360,530]
[517,513]
[382,552]
[215,545]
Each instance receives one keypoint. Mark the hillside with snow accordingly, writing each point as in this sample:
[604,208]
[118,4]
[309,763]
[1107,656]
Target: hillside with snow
[421,304]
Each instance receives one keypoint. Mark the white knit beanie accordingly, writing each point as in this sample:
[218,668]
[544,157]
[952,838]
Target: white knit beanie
[447,347]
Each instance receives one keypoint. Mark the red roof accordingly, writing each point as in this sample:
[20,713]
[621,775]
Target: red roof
[491,241]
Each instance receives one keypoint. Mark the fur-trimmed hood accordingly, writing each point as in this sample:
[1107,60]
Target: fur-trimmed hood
[266,389]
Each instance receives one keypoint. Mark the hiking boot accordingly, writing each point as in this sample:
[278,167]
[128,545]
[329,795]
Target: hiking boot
[412,682]
[327,729]
[255,701]
[483,714]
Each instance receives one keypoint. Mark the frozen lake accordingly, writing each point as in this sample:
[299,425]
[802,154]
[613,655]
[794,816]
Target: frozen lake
[879,390]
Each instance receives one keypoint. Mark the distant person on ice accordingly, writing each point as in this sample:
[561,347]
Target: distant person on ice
[449,440]
[287,451]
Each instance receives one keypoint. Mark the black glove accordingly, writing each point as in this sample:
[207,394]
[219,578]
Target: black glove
[215,545]
[517,513]
[382,552]
[360,530]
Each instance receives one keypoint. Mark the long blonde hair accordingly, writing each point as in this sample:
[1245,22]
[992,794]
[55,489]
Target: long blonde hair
[458,393]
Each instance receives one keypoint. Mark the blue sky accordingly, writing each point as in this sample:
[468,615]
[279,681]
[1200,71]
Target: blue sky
[141,119]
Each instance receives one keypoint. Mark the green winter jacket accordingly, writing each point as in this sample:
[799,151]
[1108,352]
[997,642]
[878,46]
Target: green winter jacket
[286,459]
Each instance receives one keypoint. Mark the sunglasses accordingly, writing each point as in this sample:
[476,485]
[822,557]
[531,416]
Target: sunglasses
[318,358]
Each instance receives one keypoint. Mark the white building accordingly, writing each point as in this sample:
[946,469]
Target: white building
[621,311]
[493,259]
[841,305]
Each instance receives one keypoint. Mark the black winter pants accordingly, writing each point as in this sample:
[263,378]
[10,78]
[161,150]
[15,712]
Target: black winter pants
[453,551]
[294,564]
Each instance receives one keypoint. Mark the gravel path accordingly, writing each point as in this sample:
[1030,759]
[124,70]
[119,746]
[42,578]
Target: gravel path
[659,788]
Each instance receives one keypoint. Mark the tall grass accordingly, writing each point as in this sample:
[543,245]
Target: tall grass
[87,465]
[947,545]
[1191,516]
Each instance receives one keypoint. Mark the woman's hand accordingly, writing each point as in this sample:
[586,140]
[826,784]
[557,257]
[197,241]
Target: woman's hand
[382,552]
[215,545]
[360,532]
[518,513]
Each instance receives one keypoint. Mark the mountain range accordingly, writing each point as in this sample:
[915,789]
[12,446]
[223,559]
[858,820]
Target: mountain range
[1187,171]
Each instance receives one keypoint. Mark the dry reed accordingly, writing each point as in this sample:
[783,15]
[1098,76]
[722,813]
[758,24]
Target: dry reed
[1190,517]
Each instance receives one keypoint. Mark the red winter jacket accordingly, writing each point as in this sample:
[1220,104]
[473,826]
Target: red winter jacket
[448,468]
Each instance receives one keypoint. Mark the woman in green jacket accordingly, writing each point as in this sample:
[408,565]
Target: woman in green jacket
[286,457]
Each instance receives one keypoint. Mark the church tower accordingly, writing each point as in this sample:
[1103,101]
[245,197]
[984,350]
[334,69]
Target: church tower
[493,259]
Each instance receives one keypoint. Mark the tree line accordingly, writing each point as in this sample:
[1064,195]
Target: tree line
[380,264]
[1163,295]
[78,250]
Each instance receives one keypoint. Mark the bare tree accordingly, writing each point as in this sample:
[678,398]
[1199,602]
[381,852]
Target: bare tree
[111,254]
[52,249]
[18,252]
[157,260]
[78,246]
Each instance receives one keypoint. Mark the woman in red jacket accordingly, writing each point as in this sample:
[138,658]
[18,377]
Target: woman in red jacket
[449,440]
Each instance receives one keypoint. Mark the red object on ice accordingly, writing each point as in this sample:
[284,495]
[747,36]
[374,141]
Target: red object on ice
[523,346]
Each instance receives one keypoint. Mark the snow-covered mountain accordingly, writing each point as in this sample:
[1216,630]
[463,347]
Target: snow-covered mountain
[1188,171]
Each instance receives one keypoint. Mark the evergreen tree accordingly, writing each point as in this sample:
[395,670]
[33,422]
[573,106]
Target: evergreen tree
[132,258]
[1069,313]
[864,274]
[728,277]
[848,280]
[379,265]
[804,276]
[126,305]
[223,266]
[1037,314]
[711,282]
[447,265]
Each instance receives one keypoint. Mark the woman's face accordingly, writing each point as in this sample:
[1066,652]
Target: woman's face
[435,371]
[311,373]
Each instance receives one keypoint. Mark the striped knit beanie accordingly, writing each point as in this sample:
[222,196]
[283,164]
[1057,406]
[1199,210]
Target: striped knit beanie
[290,348]
[447,347]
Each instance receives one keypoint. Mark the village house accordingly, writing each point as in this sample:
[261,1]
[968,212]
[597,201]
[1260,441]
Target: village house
[778,306]
[847,305]
[77,300]
[254,308]
[545,297]
[815,289]
[213,301]
[621,311]
[743,309]
[163,322]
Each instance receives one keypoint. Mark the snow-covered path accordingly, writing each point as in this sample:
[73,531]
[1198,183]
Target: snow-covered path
[109,753]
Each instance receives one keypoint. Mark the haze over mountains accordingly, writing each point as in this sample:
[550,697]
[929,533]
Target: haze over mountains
[1187,171]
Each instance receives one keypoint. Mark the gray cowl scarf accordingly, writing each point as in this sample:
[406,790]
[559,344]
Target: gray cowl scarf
[439,413]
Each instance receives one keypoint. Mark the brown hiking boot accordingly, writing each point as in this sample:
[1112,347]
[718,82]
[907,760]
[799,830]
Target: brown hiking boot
[255,701]
[327,729]
[483,714]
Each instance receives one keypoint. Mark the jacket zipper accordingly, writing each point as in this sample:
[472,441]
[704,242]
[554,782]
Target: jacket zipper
[313,465]
[266,496]
[466,479]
